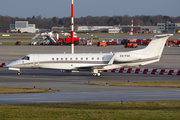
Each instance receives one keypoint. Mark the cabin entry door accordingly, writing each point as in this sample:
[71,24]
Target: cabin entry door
[36,60]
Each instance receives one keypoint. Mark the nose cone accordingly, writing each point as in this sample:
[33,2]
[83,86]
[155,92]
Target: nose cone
[6,65]
[9,65]
[12,64]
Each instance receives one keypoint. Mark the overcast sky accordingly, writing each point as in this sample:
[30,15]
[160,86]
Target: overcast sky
[83,8]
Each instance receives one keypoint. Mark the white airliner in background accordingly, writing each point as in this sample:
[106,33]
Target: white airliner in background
[94,62]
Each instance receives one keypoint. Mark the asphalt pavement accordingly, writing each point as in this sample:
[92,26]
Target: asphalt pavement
[71,87]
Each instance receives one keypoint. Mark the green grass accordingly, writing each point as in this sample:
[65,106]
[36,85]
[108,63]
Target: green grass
[30,35]
[5,90]
[16,37]
[160,110]
[13,43]
[141,84]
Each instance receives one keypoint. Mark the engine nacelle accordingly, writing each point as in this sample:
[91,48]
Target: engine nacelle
[126,57]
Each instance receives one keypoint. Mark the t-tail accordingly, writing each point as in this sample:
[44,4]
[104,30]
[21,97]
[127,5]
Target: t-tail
[154,50]
[156,46]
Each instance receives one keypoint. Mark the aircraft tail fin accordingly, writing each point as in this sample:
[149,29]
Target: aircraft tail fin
[156,46]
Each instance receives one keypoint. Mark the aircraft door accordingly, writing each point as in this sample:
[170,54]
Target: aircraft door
[36,60]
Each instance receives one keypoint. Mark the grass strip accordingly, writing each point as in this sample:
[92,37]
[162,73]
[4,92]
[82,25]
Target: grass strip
[13,43]
[158,110]
[140,84]
[5,90]
[30,35]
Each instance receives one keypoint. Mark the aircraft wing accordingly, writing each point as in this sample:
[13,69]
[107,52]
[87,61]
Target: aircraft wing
[89,68]
[97,66]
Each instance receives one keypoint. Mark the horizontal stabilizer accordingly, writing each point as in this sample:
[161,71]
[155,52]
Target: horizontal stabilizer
[164,35]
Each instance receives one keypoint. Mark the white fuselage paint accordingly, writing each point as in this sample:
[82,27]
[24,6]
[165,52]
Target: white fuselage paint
[94,62]
[76,61]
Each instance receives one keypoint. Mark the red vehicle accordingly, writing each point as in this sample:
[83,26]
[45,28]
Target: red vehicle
[111,43]
[101,44]
[143,41]
[6,31]
[132,41]
[18,43]
[67,41]
[178,42]
[139,41]
[139,31]
[146,42]
[130,45]
[173,43]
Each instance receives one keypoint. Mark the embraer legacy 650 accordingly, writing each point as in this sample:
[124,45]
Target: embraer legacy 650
[94,62]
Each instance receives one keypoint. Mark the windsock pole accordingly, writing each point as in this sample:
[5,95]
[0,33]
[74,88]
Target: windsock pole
[72,27]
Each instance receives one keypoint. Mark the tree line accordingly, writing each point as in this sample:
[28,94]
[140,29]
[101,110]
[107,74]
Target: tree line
[47,23]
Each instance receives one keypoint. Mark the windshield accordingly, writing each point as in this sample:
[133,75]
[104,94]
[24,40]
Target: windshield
[26,58]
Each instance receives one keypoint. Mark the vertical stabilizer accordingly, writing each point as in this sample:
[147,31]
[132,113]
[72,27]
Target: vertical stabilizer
[156,46]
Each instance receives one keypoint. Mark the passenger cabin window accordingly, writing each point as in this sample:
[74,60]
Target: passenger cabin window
[70,58]
[81,58]
[61,58]
[26,58]
[92,58]
[66,58]
[57,58]
[76,58]
[52,58]
[86,58]
[97,58]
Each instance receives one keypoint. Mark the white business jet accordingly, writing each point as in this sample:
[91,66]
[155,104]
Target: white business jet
[94,62]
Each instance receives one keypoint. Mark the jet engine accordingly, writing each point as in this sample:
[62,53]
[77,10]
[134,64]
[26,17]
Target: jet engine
[126,57]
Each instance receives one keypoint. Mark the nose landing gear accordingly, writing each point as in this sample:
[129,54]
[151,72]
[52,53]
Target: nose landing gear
[19,73]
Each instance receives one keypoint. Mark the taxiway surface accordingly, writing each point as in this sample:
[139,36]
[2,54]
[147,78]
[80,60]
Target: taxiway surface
[71,85]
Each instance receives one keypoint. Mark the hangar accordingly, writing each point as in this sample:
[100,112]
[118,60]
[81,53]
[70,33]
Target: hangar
[23,27]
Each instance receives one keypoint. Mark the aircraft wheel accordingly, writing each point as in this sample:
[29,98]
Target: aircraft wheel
[98,74]
[19,73]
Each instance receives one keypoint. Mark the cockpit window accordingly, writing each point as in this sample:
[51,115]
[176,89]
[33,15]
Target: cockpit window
[26,58]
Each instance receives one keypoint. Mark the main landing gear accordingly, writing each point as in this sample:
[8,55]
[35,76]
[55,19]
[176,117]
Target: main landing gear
[97,74]
[19,73]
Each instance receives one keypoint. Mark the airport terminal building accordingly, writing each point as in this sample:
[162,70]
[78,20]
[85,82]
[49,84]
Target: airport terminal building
[167,27]
[114,29]
[24,27]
